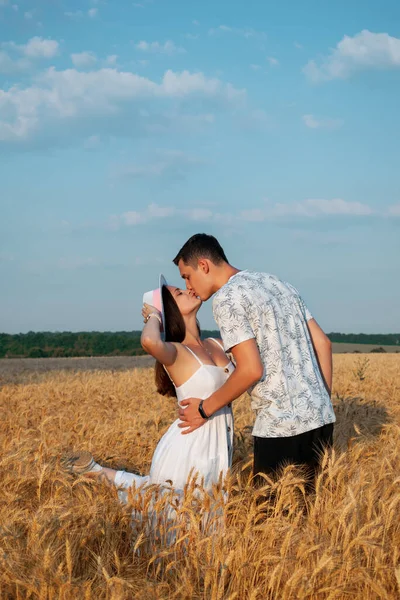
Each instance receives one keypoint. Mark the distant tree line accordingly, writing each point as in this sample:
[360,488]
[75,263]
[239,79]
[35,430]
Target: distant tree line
[124,343]
[381,339]
[45,344]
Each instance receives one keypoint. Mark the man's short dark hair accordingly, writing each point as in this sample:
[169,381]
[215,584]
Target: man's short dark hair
[201,245]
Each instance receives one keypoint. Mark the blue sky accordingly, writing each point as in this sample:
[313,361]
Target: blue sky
[125,127]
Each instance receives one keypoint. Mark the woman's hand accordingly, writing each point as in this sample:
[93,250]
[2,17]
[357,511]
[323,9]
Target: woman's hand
[148,310]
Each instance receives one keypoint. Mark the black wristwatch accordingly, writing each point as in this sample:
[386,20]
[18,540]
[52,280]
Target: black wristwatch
[201,410]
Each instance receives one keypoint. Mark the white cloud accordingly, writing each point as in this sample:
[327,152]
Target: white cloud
[111,60]
[257,119]
[253,215]
[394,211]
[365,50]
[6,257]
[138,171]
[92,142]
[133,218]
[184,122]
[170,164]
[255,67]
[278,212]
[29,14]
[219,29]
[72,263]
[142,4]
[248,32]
[15,7]
[195,22]
[198,214]
[185,83]
[155,211]
[65,98]
[298,46]
[321,207]
[156,48]
[38,47]
[311,209]
[77,14]
[192,36]
[321,123]
[92,13]
[9,65]
[84,60]
[274,62]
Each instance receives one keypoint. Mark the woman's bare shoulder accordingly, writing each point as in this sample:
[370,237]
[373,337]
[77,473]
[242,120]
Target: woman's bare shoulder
[215,339]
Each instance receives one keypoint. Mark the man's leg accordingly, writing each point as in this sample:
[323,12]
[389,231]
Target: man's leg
[310,448]
[271,454]
[305,449]
[319,440]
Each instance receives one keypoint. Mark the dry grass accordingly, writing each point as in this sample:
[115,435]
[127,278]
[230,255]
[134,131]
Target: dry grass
[71,539]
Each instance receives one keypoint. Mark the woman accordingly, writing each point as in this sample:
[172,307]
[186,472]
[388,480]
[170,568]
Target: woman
[186,366]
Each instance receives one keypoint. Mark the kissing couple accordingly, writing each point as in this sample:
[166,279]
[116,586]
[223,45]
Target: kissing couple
[270,346]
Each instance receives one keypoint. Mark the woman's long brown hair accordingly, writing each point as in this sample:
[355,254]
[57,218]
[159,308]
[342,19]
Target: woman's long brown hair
[175,331]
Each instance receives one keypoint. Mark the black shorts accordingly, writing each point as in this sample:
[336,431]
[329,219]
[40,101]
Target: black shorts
[305,449]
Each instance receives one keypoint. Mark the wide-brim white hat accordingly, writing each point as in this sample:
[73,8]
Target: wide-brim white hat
[154,298]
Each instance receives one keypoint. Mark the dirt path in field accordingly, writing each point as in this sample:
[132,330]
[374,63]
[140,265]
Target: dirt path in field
[24,369]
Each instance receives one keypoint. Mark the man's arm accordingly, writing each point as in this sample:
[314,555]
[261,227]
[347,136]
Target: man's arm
[249,370]
[323,350]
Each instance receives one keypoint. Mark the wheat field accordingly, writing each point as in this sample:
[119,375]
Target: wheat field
[70,538]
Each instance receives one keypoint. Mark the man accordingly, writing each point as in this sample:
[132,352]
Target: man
[282,356]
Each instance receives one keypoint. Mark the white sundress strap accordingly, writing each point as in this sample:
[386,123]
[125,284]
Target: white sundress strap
[194,354]
[170,378]
[217,342]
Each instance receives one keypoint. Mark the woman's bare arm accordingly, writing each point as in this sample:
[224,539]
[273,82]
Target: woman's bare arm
[151,341]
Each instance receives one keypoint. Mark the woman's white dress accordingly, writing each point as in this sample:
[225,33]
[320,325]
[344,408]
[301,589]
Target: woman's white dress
[207,450]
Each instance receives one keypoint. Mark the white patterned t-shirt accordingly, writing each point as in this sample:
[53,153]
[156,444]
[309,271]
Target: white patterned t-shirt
[291,397]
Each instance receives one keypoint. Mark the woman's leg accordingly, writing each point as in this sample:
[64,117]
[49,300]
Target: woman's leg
[103,474]
[82,462]
[121,479]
